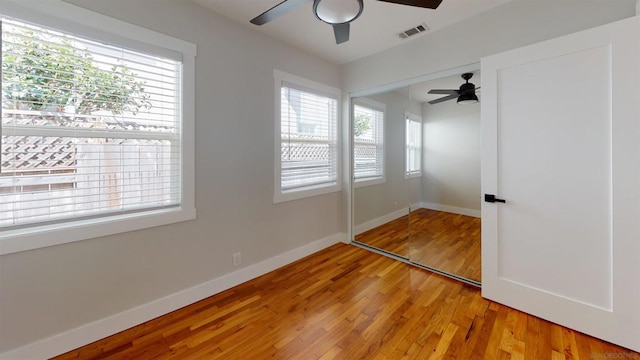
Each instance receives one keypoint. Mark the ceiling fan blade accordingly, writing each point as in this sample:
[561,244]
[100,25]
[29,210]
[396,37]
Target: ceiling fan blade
[341,31]
[277,11]
[450,97]
[440,91]
[429,4]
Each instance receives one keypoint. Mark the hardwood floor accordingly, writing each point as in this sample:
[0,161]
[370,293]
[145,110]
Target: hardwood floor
[446,241]
[442,240]
[348,303]
[392,237]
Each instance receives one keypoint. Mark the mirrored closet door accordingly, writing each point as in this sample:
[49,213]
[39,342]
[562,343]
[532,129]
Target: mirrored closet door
[380,194]
[416,175]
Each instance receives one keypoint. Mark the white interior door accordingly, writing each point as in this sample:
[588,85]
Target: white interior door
[561,145]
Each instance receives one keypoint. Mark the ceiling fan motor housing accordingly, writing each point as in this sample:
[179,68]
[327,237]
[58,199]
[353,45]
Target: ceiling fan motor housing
[467,88]
[467,92]
[336,12]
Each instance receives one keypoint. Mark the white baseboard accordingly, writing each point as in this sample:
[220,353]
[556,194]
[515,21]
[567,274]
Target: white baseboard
[368,225]
[451,209]
[102,328]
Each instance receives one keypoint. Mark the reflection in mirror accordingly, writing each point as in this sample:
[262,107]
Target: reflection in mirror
[380,192]
[422,202]
[445,228]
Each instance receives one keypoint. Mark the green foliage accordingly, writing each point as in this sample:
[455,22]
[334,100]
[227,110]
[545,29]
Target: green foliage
[361,123]
[48,73]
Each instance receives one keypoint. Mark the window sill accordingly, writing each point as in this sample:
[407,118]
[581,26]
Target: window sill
[368,182]
[13,241]
[304,193]
[412,176]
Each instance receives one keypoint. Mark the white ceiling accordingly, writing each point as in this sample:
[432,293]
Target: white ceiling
[374,31]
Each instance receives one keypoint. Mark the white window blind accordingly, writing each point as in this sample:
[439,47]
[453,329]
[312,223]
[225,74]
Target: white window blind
[88,129]
[368,142]
[308,138]
[413,140]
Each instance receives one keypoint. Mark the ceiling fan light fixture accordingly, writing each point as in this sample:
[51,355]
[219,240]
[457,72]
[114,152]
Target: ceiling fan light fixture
[337,11]
[468,98]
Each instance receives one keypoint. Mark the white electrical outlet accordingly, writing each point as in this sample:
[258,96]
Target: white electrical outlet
[236,259]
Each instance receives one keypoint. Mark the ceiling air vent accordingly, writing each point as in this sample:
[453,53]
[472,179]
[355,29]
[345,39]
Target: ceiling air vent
[413,31]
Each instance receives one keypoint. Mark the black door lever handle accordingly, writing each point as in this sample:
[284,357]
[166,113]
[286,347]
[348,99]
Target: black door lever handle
[490,198]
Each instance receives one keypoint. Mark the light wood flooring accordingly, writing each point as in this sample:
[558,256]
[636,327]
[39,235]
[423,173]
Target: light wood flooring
[446,241]
[392,237]
[345,302]
[442,240]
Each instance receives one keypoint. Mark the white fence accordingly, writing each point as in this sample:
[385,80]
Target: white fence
[107,175]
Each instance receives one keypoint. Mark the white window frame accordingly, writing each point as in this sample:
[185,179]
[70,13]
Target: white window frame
[69,18]
[378,106]
[412,117]
[280,195]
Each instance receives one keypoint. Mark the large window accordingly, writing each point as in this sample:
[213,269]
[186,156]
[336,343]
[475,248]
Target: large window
[91,131]
[368,142]
[306,138]
[413,142]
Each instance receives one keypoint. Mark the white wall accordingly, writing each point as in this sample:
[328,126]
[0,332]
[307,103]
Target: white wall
[51,290]
[451,155]
[506,27]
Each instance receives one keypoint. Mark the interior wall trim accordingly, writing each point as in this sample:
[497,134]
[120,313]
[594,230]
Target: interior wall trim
[450,209]
[374,223]
[86,334]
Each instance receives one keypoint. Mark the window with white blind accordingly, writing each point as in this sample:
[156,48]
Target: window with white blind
[413,141]
[368,142]
[92,132]
[306,137]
